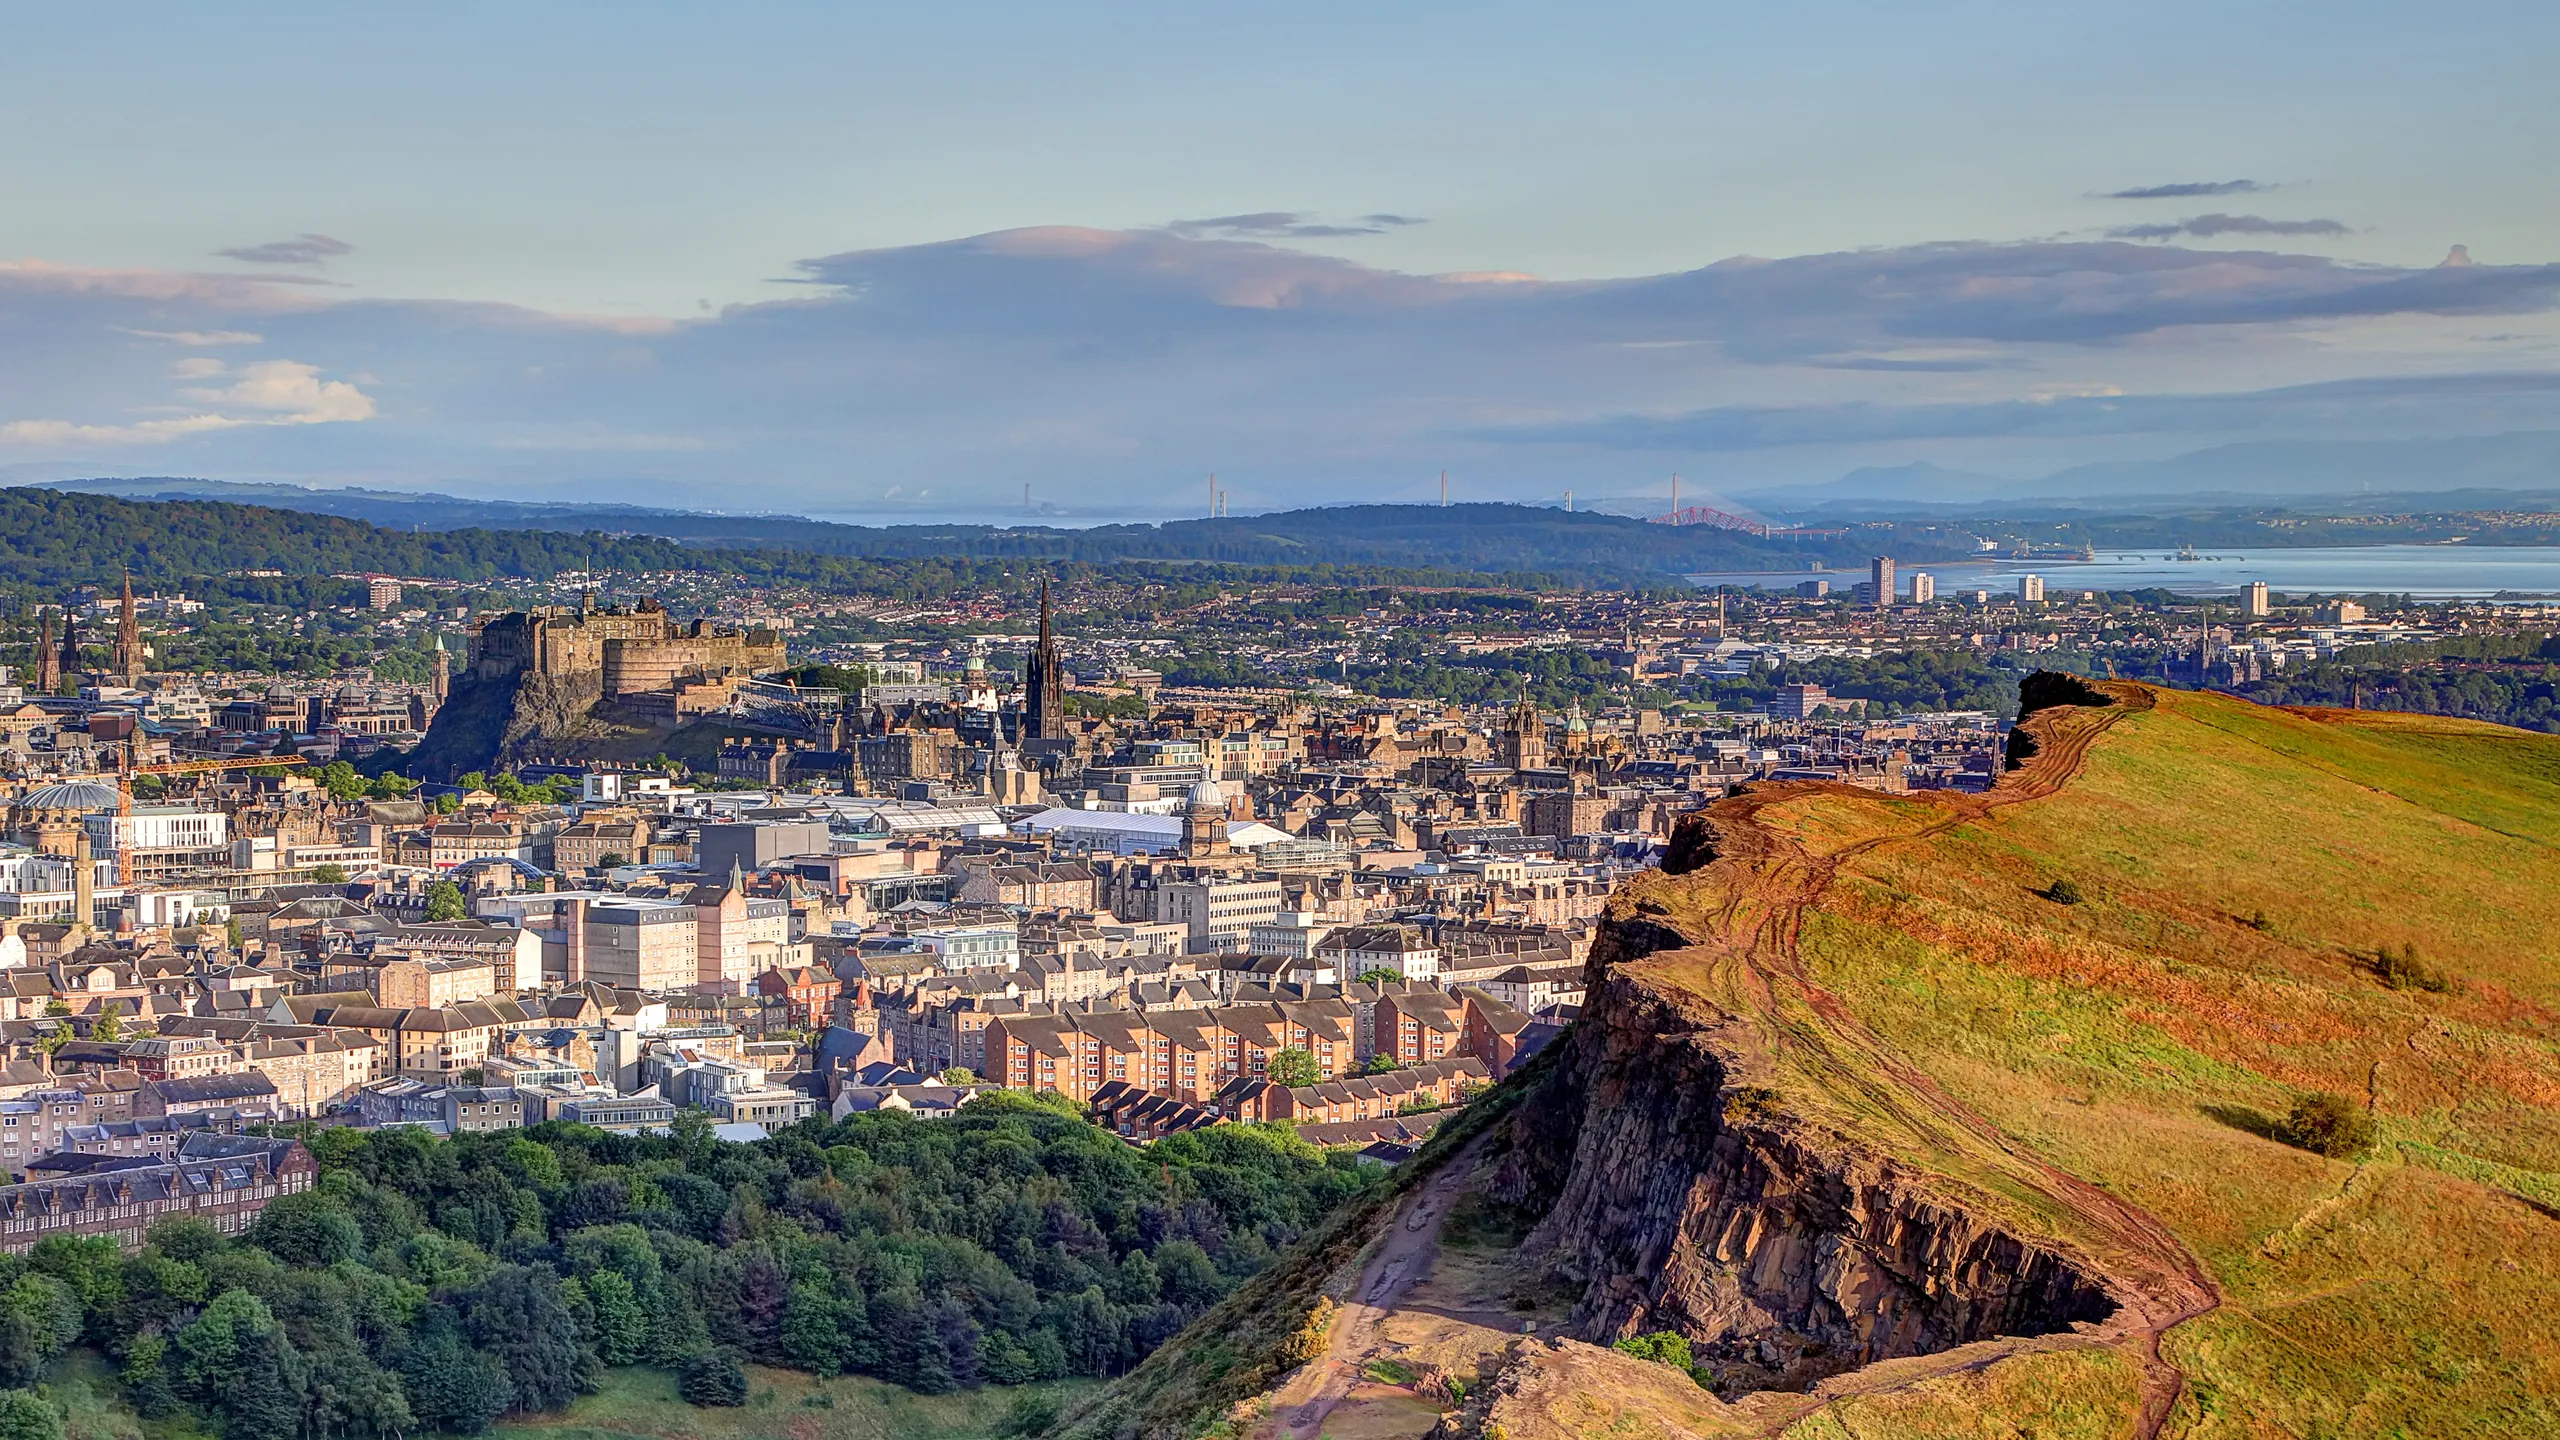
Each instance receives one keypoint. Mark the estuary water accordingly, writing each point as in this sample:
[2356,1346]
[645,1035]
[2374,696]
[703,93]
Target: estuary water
[2429,572]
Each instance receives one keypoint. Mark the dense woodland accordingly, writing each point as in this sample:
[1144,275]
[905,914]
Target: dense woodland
[438,1284]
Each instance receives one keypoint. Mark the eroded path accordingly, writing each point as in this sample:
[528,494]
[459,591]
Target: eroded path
[1399,1261]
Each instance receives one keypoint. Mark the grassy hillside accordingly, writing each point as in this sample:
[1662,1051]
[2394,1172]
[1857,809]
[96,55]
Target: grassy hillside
[2242,870]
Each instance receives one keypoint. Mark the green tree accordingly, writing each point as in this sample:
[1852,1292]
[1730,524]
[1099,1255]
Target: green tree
[1293,1067]
[1381,1063]
[25,1415]
[1379,975]
[959,1075]
[2329,1124]
[811,1339]
[308,1228]
[341,781]
[520,1315]
[236,1362]
[39,1317]
[612,860]
[146,1377]
[713,1377]
[622,1323]
[452,1388]
[109,1027]
[444,902]
[330,873]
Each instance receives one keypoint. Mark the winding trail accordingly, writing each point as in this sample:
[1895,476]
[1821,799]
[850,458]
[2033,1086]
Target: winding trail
[1399,1262]
[1774,879]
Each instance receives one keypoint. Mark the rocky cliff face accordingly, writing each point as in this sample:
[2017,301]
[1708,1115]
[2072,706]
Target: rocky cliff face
[490,722]
[1682,1200]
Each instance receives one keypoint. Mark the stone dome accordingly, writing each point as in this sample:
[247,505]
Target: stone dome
[86,797]
[1207,796]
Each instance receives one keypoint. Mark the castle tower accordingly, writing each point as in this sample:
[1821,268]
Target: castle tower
[48,666]
[128,637]
[440,679]
[1044,700]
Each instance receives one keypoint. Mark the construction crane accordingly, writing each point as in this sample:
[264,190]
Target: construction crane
[124,796]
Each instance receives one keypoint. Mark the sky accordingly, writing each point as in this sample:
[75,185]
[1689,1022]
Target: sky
[888,262]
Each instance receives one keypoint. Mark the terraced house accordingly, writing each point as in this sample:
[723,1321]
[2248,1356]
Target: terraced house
[1184,1053]
[224,1180]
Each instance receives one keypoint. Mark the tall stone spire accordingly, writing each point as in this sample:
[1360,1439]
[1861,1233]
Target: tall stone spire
[70,661]
[1044,707]
[128,637]
[48,668]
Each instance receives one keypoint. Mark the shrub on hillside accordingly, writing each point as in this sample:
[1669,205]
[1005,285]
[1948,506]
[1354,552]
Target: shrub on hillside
[2065,891]
[713,1377]
[1663,1347]
[2401,969]
[2329,1124]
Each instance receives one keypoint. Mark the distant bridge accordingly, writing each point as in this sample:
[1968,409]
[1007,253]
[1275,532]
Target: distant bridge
[1710,515]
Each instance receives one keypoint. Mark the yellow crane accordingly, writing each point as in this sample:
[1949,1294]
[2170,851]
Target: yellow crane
[124,795]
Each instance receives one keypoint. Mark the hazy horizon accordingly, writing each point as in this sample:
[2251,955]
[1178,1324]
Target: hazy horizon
[880,265]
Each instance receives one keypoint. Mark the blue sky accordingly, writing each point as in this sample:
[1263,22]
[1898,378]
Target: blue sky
[511,249]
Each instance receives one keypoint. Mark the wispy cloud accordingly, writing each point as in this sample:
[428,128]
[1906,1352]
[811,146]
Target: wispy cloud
[2190,189]
[2207,227]
[305,249]
[198,337]
[1284,225]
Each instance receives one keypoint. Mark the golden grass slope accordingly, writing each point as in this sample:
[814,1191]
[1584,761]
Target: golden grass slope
[2242,867]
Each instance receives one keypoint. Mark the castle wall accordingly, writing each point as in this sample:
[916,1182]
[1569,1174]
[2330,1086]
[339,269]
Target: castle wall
[629,651]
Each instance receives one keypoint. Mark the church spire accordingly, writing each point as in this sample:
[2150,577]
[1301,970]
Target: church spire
[70,661]
[128,637]
[48,660]
[1044,683]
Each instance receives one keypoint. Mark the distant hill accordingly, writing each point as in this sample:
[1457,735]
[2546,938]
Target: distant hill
[439,535]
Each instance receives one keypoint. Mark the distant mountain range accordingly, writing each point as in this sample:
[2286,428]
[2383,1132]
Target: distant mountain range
[2337,472]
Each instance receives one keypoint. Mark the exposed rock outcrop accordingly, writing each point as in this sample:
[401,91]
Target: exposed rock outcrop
[488,722]
[1684,1200]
